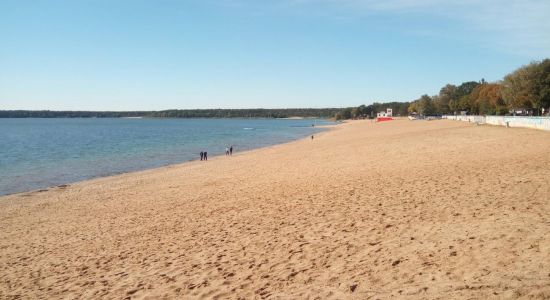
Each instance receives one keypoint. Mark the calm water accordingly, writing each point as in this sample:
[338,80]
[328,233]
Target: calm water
[38,153]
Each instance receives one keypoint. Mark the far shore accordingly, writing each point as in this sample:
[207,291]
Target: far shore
[402,209]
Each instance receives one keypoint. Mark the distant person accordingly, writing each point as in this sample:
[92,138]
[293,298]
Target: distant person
[205,155]
[231,150]
[226,151]
[202,155]
[312,136]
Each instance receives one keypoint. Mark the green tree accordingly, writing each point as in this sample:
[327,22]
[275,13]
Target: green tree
[346,113]
[465,89]
[355,112]
[541,84]
[362,109]
[521,89]
[425,106]
[446,95]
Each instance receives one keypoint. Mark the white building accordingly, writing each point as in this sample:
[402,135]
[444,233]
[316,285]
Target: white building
[387,113]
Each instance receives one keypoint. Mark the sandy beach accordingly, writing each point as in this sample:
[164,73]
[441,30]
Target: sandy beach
[404,209]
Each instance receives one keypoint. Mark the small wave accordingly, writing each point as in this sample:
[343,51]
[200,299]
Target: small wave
[248,128]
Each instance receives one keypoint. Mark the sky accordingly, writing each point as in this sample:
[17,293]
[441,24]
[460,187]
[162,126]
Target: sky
[184,54]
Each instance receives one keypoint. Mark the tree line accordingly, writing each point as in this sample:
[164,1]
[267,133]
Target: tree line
[247,113]
[70,114]
[177,113]
[527,89]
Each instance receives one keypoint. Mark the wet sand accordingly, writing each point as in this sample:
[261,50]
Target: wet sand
[409,209]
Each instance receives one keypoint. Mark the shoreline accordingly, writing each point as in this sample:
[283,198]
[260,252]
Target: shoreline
[68,184]
[419,210]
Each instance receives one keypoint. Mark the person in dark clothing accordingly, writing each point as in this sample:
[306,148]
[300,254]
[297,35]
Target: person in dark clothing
[231,150]
[205,155]
[202,155]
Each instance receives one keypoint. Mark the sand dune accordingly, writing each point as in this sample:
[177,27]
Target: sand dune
[437,209]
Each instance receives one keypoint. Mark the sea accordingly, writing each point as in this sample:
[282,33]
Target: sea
[38,153]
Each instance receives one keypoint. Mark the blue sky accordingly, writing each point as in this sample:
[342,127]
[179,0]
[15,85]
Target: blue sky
[153,55]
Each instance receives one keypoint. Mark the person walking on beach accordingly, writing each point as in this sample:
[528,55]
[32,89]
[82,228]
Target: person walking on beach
[231,150]
[205,155]
[312,136]
[202,155]
[226,151]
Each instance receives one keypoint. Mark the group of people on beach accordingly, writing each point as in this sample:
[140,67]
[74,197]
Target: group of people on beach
[204,155]
[228,151]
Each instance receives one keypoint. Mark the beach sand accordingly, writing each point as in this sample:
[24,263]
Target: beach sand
[409,209]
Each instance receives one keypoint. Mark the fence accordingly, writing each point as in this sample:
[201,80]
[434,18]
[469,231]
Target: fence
[471,119]
[509,121]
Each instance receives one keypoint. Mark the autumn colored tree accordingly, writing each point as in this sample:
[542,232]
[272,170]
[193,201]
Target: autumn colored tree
[486,99]
[413,107]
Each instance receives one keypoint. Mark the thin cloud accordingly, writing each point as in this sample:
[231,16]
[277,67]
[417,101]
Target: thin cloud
[520,27]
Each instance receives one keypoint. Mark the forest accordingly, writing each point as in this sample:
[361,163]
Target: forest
[178,113]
